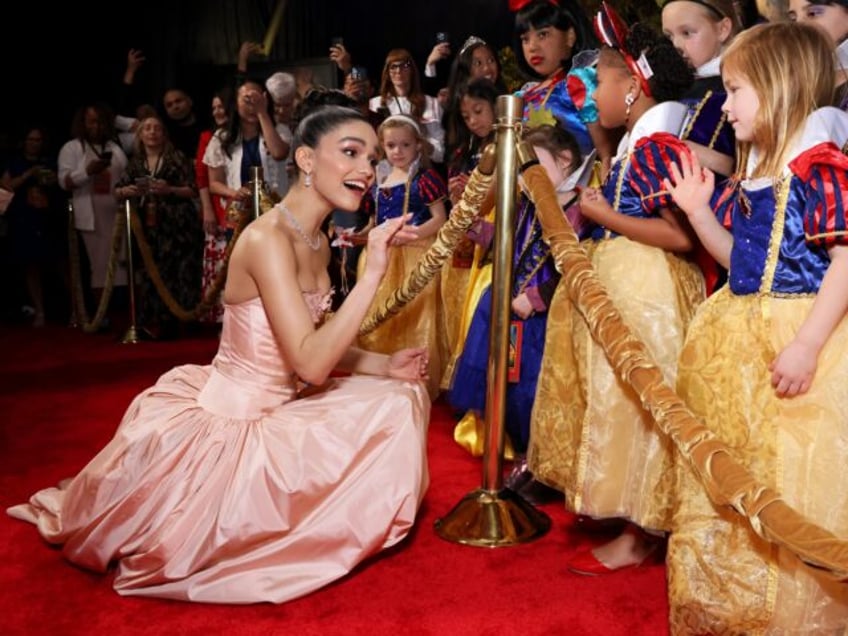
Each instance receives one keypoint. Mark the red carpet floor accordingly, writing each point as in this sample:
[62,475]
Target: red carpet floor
[62,396]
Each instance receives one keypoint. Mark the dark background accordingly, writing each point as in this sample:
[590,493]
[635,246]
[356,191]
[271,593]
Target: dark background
[73,51]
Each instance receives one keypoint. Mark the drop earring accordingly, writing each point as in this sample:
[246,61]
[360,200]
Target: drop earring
[628,102]
[307,180]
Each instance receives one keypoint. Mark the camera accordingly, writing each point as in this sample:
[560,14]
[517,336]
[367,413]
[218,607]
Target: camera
[442,37]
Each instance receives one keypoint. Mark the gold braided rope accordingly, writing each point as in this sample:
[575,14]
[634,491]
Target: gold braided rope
[78,301]
[725,480]
[211,296]
[461,218]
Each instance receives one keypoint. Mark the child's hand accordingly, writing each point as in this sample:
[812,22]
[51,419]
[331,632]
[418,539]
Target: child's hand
[456,186]
[793,369]
[409,364]
[522,307]
[594,205]
[693,186]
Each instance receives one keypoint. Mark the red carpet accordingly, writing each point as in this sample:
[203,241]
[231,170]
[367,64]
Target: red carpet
[62,396]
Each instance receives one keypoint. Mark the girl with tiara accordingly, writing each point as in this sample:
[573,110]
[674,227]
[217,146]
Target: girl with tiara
[590,436]
[831,16]
[550,38]
[406,185]
[766,358]
[534,282]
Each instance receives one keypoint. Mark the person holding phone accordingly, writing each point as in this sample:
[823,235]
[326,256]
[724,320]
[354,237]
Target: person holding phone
[89,166]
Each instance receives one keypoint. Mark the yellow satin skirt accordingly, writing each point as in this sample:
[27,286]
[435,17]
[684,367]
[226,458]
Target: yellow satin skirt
[589,435]
[419,323]
[723,578]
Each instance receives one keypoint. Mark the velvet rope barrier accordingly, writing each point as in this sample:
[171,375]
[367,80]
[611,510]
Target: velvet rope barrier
[725,480]
[474,200]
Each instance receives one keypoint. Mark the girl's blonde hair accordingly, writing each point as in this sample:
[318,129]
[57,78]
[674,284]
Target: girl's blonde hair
[407,122]
[791,68]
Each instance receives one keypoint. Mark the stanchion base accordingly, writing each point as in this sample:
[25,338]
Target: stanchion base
[493,519]
[131,336]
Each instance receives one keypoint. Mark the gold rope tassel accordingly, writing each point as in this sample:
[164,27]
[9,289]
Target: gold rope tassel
[461,218]
[725,480]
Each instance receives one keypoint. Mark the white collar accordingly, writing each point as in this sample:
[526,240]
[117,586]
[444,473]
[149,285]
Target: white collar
[710,69]
[666,117]
[842,54]
[822,125]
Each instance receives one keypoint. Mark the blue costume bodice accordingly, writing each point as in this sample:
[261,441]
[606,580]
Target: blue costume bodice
[532,263]
[706,124]
[782,228]
[425,188]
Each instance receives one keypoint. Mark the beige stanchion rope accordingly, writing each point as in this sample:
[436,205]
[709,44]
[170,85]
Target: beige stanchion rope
[725,480]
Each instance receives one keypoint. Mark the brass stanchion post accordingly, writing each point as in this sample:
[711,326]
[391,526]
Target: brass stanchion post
[256,189]
[131,335]
[493,516]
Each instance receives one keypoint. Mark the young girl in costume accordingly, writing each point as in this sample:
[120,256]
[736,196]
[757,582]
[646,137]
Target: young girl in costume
[554,39]
[766,358]
[406,184]
[590,436]
[700,30]
[534,282]
[465,276]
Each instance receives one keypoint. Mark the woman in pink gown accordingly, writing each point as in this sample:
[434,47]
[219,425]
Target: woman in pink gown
[225,484]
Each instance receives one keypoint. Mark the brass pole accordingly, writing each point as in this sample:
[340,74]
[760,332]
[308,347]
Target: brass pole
[256,189]
[131,335]
[493,516]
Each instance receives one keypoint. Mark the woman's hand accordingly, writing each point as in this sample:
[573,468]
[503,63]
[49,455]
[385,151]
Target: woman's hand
[159,187]
[379,240]
[409,364]
[456,186]
[692,188]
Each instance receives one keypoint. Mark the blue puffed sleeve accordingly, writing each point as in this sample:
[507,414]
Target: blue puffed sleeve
[581,84]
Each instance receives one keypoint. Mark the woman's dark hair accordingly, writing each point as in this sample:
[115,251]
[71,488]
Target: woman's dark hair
[462,145]
[563,15]
[104,113]
[319,97]
[321,121]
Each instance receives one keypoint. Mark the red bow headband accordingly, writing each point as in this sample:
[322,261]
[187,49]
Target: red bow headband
[517,5]
[611,30]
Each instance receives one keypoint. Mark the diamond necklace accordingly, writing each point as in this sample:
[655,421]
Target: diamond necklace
[313,242]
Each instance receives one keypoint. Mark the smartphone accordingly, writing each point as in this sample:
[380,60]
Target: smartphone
[442,37]
[359,73]
[143,183]
[337,41]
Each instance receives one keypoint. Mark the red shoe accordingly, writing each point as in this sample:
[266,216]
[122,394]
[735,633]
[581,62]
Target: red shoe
[587,564]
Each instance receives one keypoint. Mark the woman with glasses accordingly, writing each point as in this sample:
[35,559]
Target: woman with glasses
[401,94]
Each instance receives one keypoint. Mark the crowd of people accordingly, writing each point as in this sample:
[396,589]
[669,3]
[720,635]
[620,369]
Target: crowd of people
[700,166]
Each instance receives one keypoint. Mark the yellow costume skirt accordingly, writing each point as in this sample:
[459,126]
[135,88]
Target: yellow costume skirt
[589,435]
[419,323]
[723,578]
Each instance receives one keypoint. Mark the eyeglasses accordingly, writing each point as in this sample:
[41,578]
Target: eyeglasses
[397,66]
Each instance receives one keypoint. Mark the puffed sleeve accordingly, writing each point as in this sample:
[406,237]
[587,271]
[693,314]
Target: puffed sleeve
[825,172]
[431,187]
[214,155]
[724,202]
[650,164]
[824,215]
[581,84]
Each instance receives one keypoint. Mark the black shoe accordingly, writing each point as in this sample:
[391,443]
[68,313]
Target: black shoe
[537,493]
[519,475]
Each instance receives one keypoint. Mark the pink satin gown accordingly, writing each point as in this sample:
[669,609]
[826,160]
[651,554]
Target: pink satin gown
[221,485]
